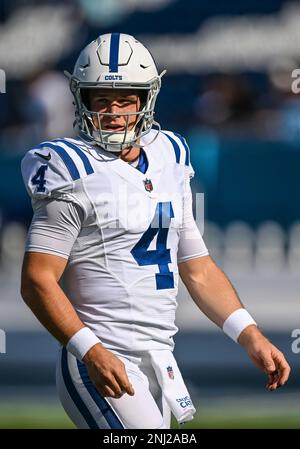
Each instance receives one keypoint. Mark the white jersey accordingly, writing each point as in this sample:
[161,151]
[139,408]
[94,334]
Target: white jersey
[122,271]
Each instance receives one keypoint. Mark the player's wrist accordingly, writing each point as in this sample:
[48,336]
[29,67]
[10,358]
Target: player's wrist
[81,343]
[93,353]
[250,334]
[237,322]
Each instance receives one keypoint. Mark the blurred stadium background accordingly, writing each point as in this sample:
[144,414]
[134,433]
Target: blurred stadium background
[228,90]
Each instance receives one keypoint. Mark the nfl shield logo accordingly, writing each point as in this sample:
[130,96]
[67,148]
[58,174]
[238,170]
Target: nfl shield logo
[170,372]
[148,185]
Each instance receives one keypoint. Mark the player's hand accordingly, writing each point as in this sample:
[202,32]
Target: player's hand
[266,357]
[107,372]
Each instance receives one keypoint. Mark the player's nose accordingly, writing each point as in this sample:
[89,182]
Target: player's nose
[113,108]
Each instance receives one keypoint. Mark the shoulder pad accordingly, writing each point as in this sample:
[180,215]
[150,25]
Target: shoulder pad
[179,147]
[180,150]
[53,167]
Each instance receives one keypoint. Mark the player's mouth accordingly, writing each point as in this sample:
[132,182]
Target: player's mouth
[114,128]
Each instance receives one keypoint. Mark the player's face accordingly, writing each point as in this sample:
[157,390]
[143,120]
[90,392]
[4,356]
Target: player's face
[114,102]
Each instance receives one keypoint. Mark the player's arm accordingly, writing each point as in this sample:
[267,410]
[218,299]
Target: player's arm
[213,293]
[41,292]
[52,234]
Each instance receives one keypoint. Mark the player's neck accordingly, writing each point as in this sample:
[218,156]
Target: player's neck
[130,154]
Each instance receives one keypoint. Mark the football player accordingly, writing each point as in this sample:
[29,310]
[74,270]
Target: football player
[112,231]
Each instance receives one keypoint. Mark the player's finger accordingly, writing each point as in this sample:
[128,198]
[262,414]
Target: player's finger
[106,391]
[283,369]
[284,376]
[272,378]
[269,365]
[272,381]
[124,383]
[129,389]
[269,368]
[113,385]
[282,373]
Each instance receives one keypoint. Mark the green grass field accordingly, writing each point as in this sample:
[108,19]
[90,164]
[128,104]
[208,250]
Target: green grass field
[52,416]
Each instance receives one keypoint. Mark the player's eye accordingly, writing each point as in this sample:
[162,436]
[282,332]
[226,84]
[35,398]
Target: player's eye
[126,102]
[101,100]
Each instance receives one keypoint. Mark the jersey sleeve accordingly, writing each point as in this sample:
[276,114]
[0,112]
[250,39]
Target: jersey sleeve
[54,228]
[191,244]
[59,204]
[45,174]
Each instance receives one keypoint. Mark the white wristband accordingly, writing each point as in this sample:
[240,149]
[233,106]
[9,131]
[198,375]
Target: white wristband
[237,322]
[81,342]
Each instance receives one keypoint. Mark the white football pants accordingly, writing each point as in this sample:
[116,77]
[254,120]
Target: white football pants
[88,409]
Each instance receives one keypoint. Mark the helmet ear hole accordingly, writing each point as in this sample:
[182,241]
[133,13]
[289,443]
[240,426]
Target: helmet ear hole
[85,97]
[143,95]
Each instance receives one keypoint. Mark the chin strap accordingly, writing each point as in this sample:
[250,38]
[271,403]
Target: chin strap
[114,140]
[117,147]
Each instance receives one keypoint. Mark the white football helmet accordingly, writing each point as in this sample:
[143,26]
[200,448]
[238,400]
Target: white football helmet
[115,61]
